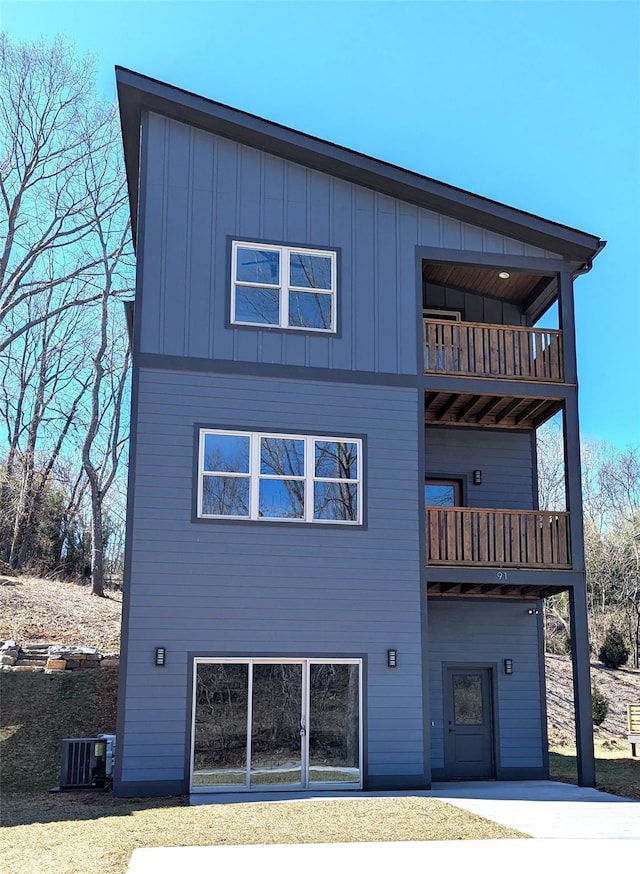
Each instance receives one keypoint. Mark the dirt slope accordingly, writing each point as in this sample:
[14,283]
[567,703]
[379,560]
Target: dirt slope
[54,612]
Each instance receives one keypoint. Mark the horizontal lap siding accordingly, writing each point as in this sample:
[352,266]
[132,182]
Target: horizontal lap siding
[208,587]
[490,632]
[202,189]
[504,457]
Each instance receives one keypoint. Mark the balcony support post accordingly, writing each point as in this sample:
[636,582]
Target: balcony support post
[567,325]
[582,685]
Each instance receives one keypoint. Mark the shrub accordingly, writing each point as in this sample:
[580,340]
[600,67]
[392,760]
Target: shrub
[613,652]
[599,705]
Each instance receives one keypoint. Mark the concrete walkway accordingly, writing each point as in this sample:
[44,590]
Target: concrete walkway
[579,831]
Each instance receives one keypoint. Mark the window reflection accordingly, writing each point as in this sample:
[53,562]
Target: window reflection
[226,453]
[310,271]
[336,460]
[281,499]
[225,496]
[258,265]
[335,501]
[307,310]
[281,457]
[258,305]
[220,737]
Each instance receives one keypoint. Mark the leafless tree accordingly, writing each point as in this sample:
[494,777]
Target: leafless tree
[65,255]
[51,124]
[106,435]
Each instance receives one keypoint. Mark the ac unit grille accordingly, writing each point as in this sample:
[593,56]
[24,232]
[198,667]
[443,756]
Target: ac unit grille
[83,762]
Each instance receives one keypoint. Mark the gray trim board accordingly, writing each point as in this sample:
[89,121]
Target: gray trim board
[516,576]
[131,476]
[152,361]
[136,92]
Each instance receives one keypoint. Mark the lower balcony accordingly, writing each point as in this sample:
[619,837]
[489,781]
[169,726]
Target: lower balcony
[469,536]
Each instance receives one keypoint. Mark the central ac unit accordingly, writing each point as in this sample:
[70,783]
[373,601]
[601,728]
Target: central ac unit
[87,762]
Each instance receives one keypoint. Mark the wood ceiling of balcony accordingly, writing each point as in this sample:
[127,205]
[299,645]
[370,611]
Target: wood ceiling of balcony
[491,590]
[494,411]
[518,288]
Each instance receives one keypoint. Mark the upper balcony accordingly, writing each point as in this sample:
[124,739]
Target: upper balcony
[477,537]
[473,349]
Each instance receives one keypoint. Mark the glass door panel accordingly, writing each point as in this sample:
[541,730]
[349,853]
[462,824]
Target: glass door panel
[276,725]
[220,726]
[334,723]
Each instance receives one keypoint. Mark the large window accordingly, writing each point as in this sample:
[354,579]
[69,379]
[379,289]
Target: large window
[283,287]
[283,477]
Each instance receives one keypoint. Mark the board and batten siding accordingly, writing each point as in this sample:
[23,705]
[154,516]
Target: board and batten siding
[473,307]
[504,457]
[211,587]
[201,190]
[487,632]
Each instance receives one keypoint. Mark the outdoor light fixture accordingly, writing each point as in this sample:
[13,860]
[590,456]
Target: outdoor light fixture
[477,477]
[508,666]
[533,611]
[161,653]
[392,658]
[503,274]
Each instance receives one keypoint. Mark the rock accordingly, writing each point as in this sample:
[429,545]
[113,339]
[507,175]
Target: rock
[89,664]
[75,652]
[8,659]
[110,662]
[56,665]
[9,644]
[72,663]
[33,669]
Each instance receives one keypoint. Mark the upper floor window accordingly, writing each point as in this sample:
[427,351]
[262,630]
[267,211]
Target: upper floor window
[283,477]
[283,286]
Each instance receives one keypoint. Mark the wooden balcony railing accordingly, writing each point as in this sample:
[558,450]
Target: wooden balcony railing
[497,538]
[477,349]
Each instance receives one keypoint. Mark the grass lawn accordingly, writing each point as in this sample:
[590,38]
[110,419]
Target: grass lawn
[616,770]
[84,833]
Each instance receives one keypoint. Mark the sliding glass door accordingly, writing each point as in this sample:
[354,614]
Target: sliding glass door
[267,723]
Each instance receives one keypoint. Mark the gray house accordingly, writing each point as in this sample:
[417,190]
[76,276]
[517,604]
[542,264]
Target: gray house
[336,561]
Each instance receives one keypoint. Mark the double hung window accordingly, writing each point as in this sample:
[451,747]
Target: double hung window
[283,287]
[283,477]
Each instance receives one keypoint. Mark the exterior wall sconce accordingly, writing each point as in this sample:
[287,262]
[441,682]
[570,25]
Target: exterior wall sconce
[508,666]
[161,654]
[477,477]
[533,611]
[392,658]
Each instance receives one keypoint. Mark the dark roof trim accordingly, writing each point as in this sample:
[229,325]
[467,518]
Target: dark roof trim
[137,93]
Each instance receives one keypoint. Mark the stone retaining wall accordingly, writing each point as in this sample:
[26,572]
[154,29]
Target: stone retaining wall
[52,657]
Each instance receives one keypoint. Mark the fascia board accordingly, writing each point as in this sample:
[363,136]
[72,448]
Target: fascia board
[137,93]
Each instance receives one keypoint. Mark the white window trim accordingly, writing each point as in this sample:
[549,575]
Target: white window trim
[283,287]
[254,476]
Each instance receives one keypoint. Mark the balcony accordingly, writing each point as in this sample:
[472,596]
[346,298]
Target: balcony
[528,539]
[494,351]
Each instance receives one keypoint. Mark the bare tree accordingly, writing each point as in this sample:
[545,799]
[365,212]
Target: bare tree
[41,387]
[50,125]
[106,436]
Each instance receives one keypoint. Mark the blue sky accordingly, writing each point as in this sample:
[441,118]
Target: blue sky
[536,104]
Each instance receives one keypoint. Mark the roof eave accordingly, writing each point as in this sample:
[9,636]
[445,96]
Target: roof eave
[137,93]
